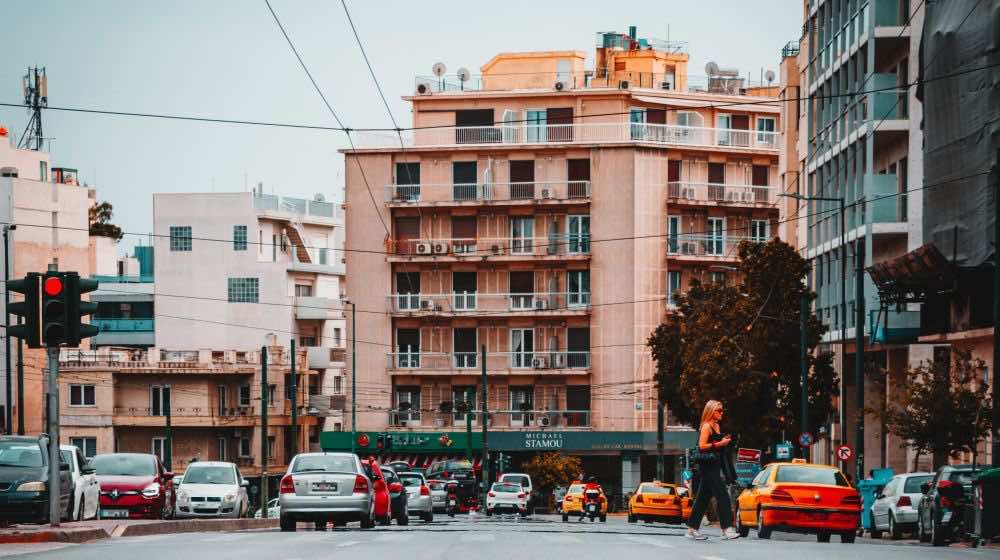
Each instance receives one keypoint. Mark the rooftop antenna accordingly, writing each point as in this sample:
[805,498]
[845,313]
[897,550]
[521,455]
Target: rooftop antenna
[463,76]
[439,69]
[35,86]
[769,76]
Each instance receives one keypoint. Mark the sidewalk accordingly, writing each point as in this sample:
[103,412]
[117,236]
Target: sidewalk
[83,531]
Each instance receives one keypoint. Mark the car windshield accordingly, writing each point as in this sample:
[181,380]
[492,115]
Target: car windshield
[124,465]
[390,475]
[810,475]
[411,480]
[436,485]
[67,456]
[516,479]
[961,477]
[913,483]
[20,454]
[506,487]
[654,489]
[210,475]
[458,466]
[324,463]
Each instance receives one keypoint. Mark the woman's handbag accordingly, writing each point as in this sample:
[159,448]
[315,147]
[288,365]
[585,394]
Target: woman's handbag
[699,457]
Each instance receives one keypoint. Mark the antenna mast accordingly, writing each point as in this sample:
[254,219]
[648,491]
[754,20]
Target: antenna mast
[35,85]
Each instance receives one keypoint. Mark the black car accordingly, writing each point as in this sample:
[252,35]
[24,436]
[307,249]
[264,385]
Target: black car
[940,512]
[397,497]
[24,476]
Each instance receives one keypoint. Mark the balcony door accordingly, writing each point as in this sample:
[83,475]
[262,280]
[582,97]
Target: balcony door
[578,226]
[715,245]
[407,181]
[522,233]
[577,405]
[522,347]
[407,406]
[522,290]
[159,400]
[407,232]
[408,348]
[560,124]
[465,348]
[522,179]
[578,347]
[407,291]
[578,288]
[463,180]
[536,124]
[463,234]
[521,403]
[464,286]
[463,394]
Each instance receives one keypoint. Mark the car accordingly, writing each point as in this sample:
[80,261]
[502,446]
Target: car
[382,500]
[419,500]
[327,488]
[273,510]
[507,497]
[134,486]
[938,513]
[658,501]
[212,489]
[525,481]
[24,481]
[399,466]
[463,473]
[799,497]
[895,506]
[573,502]
[398,497]
[86,498]
[439,495]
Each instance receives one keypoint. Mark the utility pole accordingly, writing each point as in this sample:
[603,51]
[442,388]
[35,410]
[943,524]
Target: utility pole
[804,367]
[859,356]
[996,314]
[354,376]
[843,326]
[168,447]
[294,399]
[20,383]
[485,420]
[52,399]
[659,439]
[263,432]
[9,392]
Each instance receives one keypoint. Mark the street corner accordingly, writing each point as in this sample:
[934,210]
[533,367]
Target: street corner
[34,534]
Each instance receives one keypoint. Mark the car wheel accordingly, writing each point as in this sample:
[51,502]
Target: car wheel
[631,517]
[287,524]
[604,518]
[876,534]
[429,517]
[822,537]
[848,537]
[763,531]
[741,529]
[895,533]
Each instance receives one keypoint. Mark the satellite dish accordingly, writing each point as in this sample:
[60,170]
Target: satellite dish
[464,74]
[712,69]
[769,76]
[319,197]
[439,69]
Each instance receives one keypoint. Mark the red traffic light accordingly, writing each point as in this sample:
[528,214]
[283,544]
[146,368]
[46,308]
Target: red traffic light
[53,286]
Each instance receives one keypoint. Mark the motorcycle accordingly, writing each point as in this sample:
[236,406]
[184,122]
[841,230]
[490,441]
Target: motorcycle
[452,500]
[591,505]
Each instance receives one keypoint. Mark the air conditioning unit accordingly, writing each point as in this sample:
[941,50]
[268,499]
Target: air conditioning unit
[495,249]
[666,85]
[424,248]
[731,196]
[748,196]
[440,248]
[541,303]
[544,421]
[424,88]
[426,304]
[623,84]
[560,85]
[540,362]
[546,194]
[689,248]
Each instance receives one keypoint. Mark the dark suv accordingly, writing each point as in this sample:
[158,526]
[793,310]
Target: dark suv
[24,481]
[941,510]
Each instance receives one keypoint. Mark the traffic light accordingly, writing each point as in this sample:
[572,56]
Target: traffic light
[29,308]
[388,442]
[76,287]
[55,323]
[380,442]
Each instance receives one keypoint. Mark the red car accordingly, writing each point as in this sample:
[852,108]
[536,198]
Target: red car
[134,486]
[380,491]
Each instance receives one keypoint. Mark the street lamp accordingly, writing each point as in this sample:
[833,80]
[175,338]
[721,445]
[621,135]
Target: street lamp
[8,419]
[354,374]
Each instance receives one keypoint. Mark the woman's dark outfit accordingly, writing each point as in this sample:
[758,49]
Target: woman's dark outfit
[711,484]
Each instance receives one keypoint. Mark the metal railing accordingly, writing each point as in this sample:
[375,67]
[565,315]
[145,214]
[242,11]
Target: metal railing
[479,302]
[465,192]
[114,279]
[716,192]
[561,244]
[523,133]
[123,325]
[535,360]
[292,205]
[514,419]
[691,245]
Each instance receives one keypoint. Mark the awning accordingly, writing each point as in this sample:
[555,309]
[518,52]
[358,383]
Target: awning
[702,103]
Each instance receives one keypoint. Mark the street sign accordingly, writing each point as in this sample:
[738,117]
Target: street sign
[748,455]
[845,452]
[746,471]
[783,450]
[806,439]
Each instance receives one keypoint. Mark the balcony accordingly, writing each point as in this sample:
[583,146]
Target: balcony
[318,308]
[175,362]
[546,192]
[124,332]
[580,133]
[888,102]
[479,303]
[553,247]
[112,279]
[683,192]
[284,207]
[497,363]
[498,419]
[705,247]
[186,417]
[322,357]
[322,261]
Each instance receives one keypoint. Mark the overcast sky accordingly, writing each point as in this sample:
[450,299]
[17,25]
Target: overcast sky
[227,59]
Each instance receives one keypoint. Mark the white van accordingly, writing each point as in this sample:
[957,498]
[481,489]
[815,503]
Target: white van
[525,481]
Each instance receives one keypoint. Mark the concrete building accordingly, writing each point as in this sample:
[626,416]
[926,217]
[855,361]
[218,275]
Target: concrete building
[548,212]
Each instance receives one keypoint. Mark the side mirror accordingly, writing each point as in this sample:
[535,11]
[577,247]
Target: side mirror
[244,483]
[924,487]
[88,470]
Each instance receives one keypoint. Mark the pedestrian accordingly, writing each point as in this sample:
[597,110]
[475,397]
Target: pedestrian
[710,484]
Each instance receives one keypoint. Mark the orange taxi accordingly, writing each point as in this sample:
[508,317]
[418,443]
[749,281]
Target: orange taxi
[573,502]
[659,501]
[799,497]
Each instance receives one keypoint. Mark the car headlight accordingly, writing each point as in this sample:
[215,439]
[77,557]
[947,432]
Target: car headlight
[35,486]
[182,496]
[151,491]
[230,497]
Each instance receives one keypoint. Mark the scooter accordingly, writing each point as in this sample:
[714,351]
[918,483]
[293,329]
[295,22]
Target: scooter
[452,499]
[591,505]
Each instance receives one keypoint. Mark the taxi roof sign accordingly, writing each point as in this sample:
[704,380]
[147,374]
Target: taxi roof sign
[799,460]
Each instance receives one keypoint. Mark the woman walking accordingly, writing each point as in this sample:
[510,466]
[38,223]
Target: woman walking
[711,442]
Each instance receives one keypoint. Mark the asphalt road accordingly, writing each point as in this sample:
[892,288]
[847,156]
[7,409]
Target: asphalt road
[464,538]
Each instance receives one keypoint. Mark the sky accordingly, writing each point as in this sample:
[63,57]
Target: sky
[227,59]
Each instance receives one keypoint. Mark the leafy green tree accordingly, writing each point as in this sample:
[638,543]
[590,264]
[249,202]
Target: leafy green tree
[100,222]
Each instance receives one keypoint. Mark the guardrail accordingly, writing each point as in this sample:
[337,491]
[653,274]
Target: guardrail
[688,245]
[513,419]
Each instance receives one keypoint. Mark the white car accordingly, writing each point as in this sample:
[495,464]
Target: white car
[506,497]
[418,495]
[273,510]
[895,507]
[212,489]
[86,488]
[525,481]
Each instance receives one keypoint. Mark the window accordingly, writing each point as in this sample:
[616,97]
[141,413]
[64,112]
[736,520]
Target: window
[578,174]
[239,238]
[407,404]
[337,340]
[637,121]
[535,122]
[274,248]
[244,395]
[578,288]
[270,450]
[222,398]
[673,233]
[765,130]
[243,290]
[577,348]
[522,347]
[180,238]
[464,286]
[717,237]
[522,231]
[717,277]
[464,345]
[88,445]
[307,341]
[522,179]
[303,290]
[160,449]
[521,399]
[466,395]
[760,231]
[408,290]
[81,395]
[338,385]
[43,171]
[272,392]
[673,286]
[244,447]
[408,348]
[221,449]
[579,233]
[159,400]
[724,123]
[407,181]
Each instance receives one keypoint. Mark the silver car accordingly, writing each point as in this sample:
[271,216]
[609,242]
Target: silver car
[212,489]
[419,501]
[895,507]
[326,487]
[439,495]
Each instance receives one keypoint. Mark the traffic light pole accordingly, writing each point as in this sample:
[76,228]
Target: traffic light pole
[52,397]
[263,432]
[294,398]
[486,421]
[9,418]
[859,358]
[804,368]
[20,384]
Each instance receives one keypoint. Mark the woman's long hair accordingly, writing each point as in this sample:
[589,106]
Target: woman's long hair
[710,408]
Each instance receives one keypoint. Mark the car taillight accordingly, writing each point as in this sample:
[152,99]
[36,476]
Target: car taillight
[425,491]
[638,498]
[567,498]
[521,495]
[779,495]
[903,501]
[491,494]
[287,485]
[852,500]
[677,500]
[446,474]
[360,485]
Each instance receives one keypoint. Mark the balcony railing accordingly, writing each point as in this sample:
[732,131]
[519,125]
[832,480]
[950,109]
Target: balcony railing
[586,133]
[488,192]
[123,325]
[513,419]
[722,193]
[300,206]
[480,302]
[562,244]
[539,360]
[689,245]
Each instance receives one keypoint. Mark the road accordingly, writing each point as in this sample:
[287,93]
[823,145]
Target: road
[483,538]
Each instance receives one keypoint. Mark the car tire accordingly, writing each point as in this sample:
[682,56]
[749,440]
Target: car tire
[631,517]
[876,534]
[848,537]
[763,531]
[937,536]
[895,533]
[823,537]
[742,530]
[604,518]
[286,524]
[428,517]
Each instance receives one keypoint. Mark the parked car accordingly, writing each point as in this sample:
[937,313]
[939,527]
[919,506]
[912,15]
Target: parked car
[382,501]
[399,466]
[940,512]
[657,501]
[507,497]
[212,489]
[525,481]
[895,507]
[134,486]
[397,497]
[327,487]
[86,497]
[24,477]
[439,495]
[273,510]
[419,495]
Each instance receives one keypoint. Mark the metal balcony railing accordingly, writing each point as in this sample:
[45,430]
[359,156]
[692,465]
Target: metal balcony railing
[299,206]
[513,419]
[723,193]
[123,325]
[532,360]
[479,302]
[688,245]
[492,192]
[561,244]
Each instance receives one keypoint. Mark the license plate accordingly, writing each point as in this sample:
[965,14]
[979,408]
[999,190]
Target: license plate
[591,507]
[451,502]
[325,486]
[114,513]
[946,517]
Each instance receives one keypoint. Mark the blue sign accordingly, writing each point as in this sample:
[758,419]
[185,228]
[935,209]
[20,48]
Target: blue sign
[783,450]
[806,439]
[746,471]
[687,475]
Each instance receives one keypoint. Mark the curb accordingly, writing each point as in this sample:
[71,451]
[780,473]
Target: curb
[192,526]
[45,536]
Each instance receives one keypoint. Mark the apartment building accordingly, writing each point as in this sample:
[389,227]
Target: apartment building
[124,296]
[867,150]
[535,224]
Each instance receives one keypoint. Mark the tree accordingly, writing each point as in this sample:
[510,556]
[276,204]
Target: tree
[740,344]
[943,410]
[549,470]
[100,222]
